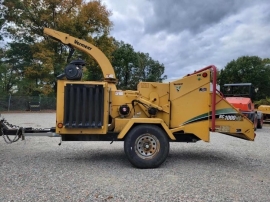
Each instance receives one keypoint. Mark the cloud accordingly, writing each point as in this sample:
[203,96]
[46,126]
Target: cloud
[187,35]
[192,15]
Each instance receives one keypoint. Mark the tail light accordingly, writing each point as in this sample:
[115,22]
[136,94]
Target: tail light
[60,125]
[204,74]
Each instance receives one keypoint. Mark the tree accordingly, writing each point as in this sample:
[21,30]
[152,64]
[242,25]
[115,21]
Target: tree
[106,44]
[132,67]
[87,20]
[2,19]
[149,69]
[26,20]
[124,63]
[248,69]
[12,64]
[6,81]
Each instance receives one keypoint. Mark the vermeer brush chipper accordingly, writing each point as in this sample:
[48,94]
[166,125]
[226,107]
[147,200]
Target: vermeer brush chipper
[147,119]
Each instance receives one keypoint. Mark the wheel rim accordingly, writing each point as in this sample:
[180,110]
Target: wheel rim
[147,146]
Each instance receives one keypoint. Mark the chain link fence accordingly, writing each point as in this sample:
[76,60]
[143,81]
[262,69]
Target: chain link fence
[27,103]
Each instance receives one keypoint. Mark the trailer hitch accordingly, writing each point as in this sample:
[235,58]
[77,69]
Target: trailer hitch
[7,130]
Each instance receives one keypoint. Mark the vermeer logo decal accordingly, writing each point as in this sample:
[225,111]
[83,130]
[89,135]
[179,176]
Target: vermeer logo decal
[82,45]
[178,86]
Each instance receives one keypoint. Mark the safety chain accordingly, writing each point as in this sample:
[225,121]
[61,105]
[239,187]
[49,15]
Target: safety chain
[9,124]
[7,139]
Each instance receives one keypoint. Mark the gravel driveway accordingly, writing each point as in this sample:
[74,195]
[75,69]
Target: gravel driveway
[227,169]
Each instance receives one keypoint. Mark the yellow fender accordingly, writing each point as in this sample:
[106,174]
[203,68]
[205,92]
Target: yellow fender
[133,121]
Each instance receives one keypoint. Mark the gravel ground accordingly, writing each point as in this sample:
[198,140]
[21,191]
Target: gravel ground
[227,169]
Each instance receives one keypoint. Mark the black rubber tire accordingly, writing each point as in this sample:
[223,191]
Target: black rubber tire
[260,123]
[146,146]
[255,122]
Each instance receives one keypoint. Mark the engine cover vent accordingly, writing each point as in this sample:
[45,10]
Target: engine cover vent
[83,106]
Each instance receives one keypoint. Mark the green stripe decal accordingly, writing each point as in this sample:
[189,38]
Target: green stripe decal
[206,115]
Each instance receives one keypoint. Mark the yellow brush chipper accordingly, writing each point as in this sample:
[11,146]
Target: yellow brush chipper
[148,119]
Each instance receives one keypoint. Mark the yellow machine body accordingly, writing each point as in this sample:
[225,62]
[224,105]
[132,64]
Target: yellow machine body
[189,106]
[265,110]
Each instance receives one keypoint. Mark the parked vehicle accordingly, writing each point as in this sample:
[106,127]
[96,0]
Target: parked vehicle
[240,95]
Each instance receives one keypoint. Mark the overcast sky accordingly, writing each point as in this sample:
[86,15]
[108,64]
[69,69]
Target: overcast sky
[186,35]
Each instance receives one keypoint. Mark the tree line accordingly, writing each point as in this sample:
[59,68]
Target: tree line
[30,62]
[248,69]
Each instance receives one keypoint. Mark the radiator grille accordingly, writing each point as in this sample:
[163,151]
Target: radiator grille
[83,106]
